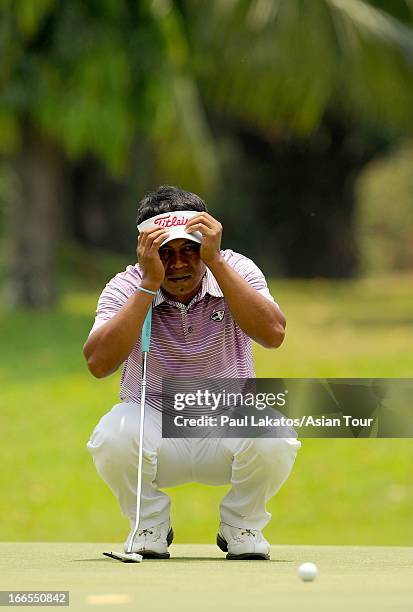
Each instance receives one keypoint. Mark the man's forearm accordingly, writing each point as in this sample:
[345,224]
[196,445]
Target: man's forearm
[257,316]
[110,345]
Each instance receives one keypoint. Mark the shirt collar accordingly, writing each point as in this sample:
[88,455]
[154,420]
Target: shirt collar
[209,285]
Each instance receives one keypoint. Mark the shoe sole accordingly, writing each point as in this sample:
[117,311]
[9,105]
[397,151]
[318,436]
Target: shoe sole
[223,545]
[151,554]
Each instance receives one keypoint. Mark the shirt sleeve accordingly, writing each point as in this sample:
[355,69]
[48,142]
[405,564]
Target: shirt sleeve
[252,274]
[113,297]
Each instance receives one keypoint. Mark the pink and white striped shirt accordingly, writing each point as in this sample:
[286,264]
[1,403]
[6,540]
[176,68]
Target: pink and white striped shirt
[188,341]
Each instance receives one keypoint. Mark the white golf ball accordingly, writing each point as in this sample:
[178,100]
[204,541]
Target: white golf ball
[307,571]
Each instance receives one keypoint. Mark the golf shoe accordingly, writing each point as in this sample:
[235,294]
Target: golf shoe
[242,543]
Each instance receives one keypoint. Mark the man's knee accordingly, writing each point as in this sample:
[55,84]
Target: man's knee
[115,434]
[110,443]
[276,453]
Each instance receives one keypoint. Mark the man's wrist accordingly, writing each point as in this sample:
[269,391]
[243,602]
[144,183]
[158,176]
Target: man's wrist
[147,291]
[217,263]
[150,285]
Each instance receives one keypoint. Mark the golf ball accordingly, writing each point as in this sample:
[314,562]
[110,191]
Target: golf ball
[307,571]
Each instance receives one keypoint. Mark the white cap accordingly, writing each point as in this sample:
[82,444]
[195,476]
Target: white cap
[175,223]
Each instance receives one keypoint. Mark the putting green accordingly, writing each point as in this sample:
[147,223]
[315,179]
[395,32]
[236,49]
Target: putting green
[197,577]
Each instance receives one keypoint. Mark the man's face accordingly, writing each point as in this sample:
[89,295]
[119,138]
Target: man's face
[184,269]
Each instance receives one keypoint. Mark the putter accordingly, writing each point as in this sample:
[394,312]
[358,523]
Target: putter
[129,556]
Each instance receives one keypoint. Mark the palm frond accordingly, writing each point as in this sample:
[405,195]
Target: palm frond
[377,24]
[282,63]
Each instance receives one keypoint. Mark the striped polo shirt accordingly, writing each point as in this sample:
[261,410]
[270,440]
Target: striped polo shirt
[195,340]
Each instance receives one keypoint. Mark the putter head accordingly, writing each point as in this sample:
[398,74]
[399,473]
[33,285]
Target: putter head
[125,557]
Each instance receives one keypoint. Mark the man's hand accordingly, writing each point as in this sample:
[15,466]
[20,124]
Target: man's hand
[211,231]
[153,271]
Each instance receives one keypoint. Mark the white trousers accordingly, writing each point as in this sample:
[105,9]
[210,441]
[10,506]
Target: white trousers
[255,467]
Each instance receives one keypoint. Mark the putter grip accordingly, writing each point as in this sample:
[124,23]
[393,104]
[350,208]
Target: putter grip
[146,331]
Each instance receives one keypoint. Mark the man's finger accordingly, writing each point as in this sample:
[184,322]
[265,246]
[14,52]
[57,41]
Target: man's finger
[147,237]
[213,225]
[206,218]
[201,219]
[159,240]
[148,233]
[205,230]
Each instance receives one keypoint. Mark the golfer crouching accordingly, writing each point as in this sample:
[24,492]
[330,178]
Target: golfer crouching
[208,305]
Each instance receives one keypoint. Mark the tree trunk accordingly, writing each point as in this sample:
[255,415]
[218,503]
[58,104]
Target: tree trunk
[34,223]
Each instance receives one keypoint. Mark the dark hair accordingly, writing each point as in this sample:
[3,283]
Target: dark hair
[168,198]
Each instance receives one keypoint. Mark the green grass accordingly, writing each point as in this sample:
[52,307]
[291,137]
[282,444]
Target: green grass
[343,329]
[197,577]
[341,491]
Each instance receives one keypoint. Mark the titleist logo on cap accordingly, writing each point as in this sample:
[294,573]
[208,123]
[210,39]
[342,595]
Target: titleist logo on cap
[174,222]
[170,221]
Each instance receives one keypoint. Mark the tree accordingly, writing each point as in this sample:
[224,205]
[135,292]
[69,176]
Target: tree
[309,91]
[89,78]
[283,64]
[82,78]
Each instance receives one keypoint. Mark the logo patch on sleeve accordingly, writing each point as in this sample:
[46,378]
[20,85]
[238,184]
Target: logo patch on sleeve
[217,315]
